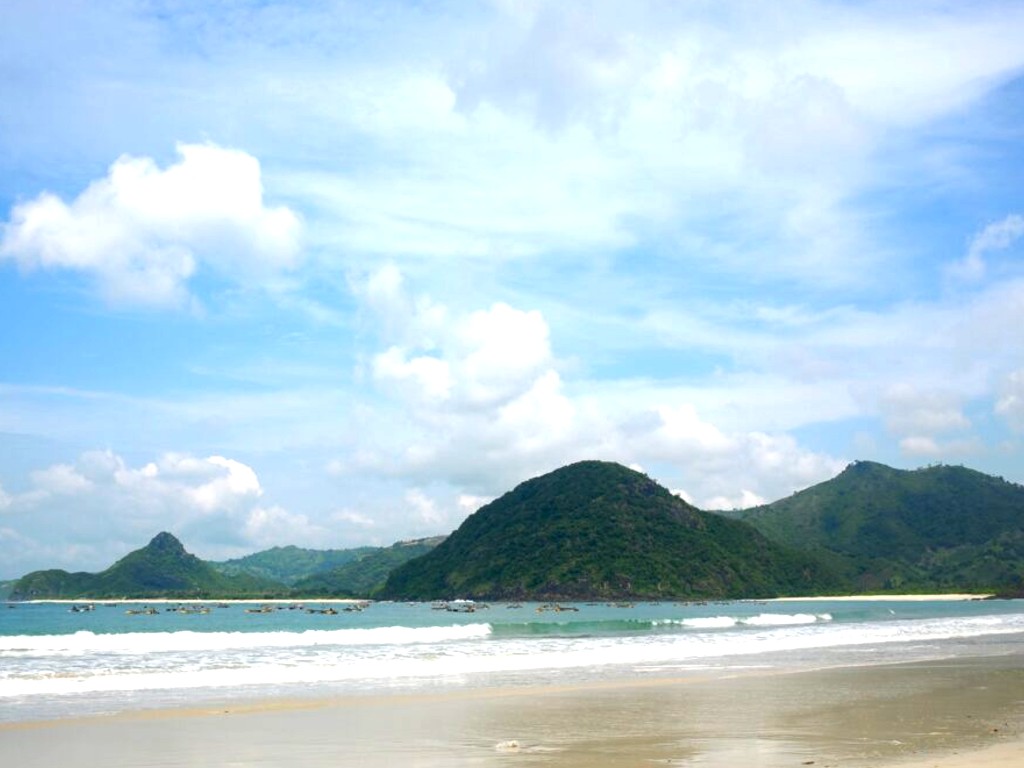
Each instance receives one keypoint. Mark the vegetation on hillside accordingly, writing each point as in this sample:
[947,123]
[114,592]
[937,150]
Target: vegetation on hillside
[160,569]
[364,576]
[937,528]
[600,530]
[597,530]
[288,565]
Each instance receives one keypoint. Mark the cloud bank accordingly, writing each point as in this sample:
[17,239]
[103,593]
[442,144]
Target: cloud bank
[141,232]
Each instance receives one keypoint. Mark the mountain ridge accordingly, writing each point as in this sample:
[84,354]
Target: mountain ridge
[936,527]
[872,528]
[598,530]
[162,568]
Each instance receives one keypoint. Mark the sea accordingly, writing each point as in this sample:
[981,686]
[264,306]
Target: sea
[60,660]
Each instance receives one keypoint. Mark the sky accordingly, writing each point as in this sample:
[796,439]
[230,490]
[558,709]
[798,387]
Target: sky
[338,273]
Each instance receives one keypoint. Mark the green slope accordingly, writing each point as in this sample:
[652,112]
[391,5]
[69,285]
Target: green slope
[364,576]
[291,564]
[600,530]
[160,569]
[943,527]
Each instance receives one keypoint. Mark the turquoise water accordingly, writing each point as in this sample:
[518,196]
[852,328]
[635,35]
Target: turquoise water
[507,619]
[59,658]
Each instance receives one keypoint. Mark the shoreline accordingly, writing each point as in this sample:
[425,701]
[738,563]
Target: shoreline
[953,596]
[911,598]
[949,713]
[189,601]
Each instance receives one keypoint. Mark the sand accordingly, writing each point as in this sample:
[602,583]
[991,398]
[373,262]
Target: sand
[887,598]
[950,713]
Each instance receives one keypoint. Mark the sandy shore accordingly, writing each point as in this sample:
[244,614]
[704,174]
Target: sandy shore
[194,601]
[885,598]
[292,601]
[951,714]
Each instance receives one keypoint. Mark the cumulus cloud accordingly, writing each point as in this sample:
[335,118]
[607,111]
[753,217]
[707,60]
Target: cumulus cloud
[484,359]
[488,407]
[142,232]
[60,479]
[93,510]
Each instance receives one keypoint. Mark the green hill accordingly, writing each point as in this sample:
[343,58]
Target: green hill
[597,530]
[939,528]
[364,576]
[160,569]
[291,564]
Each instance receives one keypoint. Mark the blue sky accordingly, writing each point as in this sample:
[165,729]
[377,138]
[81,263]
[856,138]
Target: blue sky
[332,274]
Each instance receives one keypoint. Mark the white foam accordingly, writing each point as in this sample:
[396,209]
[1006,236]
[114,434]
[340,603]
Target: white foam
[84,642]
[784,619]
[403,655]
[710,622]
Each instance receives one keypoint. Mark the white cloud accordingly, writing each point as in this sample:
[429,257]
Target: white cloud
[142,232]
[995,237]
[919,445]
[351,517]
[507,414]
[917,413]
[236,483]
[469,503]
[1010,404]
[600,178]
[482,360]
[745,500]
[266,527]
[423,508]
[684,496]
[103,506]
[425,376]
[60,479]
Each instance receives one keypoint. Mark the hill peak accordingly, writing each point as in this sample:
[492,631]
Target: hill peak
[167,544]
[597,529]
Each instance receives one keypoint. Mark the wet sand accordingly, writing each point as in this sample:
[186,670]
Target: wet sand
[934,714]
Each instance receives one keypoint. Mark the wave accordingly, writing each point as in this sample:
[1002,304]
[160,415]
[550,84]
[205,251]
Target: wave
[403,655]
[591,627]
[84,641]
[785,619]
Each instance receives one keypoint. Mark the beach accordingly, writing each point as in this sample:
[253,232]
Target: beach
[948,713]
[857,682]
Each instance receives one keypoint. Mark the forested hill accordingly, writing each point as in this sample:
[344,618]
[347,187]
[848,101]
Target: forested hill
[936,528]
[364,576]
[599,530]
[160,569]
[290,564]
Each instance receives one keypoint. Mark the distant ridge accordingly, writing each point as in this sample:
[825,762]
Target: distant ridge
[940,528]
[290,564]
[365,575]
[160,569]
[597,530]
